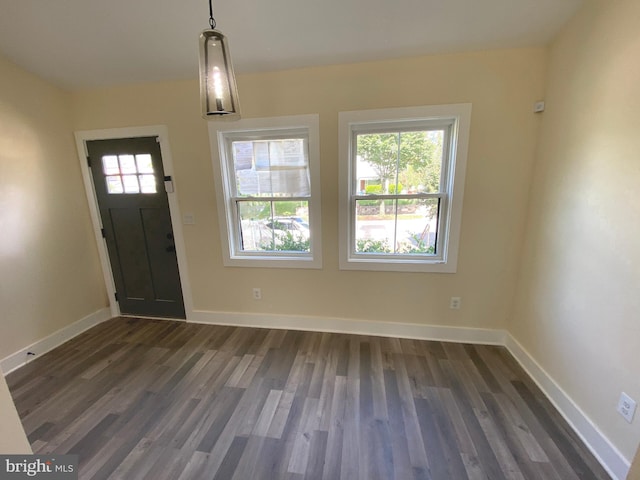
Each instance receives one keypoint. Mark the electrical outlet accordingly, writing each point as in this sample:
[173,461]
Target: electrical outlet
[455,303]
[538,107]
[626,407]
[257,294]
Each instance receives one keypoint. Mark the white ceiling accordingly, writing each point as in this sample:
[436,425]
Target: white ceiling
[90,43]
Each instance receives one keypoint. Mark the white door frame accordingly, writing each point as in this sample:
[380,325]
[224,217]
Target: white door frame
[160,131]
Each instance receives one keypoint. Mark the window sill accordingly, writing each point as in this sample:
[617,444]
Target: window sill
[418,266]
[281,261]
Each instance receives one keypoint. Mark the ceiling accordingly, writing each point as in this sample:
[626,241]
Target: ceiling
[92,43]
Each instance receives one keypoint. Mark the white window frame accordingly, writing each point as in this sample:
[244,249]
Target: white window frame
[220,133]
[457,117]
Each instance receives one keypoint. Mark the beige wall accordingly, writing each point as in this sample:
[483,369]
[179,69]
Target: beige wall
[501,85]
[49,270]
[578,302]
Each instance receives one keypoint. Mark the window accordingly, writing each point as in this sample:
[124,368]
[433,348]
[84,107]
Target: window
[402,181]
[267,174]
[129,173]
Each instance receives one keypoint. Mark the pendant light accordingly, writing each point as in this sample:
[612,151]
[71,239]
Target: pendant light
[218,91]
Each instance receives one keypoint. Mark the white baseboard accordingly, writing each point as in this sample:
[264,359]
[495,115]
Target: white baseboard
[20,358]
[607,454]
[357,327]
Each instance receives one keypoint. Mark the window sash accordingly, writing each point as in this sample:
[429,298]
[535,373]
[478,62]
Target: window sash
[392,256]
[234,204]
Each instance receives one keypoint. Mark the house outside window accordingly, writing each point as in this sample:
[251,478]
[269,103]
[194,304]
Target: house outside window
[402,182]
[267,185]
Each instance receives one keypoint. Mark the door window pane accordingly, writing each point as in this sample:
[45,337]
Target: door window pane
[131,184]
[127,164]
[147,183]
[144,163]
[110,165]
[114,184]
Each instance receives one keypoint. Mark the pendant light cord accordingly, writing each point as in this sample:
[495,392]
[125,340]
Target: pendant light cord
[212,21]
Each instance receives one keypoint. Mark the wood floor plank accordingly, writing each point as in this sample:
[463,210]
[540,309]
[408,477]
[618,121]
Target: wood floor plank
[335,438]
[400,449]
[164,400]
[269,409]
[318,448]
[281,415]
[447,433]
[379,396]
[417,453]
[302,444]
[231,459]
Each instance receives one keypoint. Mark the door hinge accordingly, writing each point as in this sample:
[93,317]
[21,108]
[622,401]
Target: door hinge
[115,294]
[89,161]
[157,139]
[104,233]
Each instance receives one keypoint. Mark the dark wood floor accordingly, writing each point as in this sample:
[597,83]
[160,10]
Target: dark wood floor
[168,400]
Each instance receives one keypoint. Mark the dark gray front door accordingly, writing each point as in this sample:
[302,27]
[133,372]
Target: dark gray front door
[129,182]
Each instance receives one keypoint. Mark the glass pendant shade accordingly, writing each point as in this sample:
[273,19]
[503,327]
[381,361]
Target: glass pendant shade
[218,91]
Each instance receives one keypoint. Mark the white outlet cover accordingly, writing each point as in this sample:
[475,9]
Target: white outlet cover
[626,407]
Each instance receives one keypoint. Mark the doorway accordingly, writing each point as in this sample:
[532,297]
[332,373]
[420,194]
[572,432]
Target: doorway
[133,206]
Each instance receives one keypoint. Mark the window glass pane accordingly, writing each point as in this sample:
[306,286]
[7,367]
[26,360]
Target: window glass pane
[286,182]
[377,161]
[243,155]
[397,226]
[147,183]
[287,153]
[271,168]
[110,165]
[114,184]
[290,226]
[127,164]
[253,219]
[144,163]
[420,164]
[131,183]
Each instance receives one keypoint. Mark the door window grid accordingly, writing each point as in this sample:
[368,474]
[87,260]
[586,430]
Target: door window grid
[129,174]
